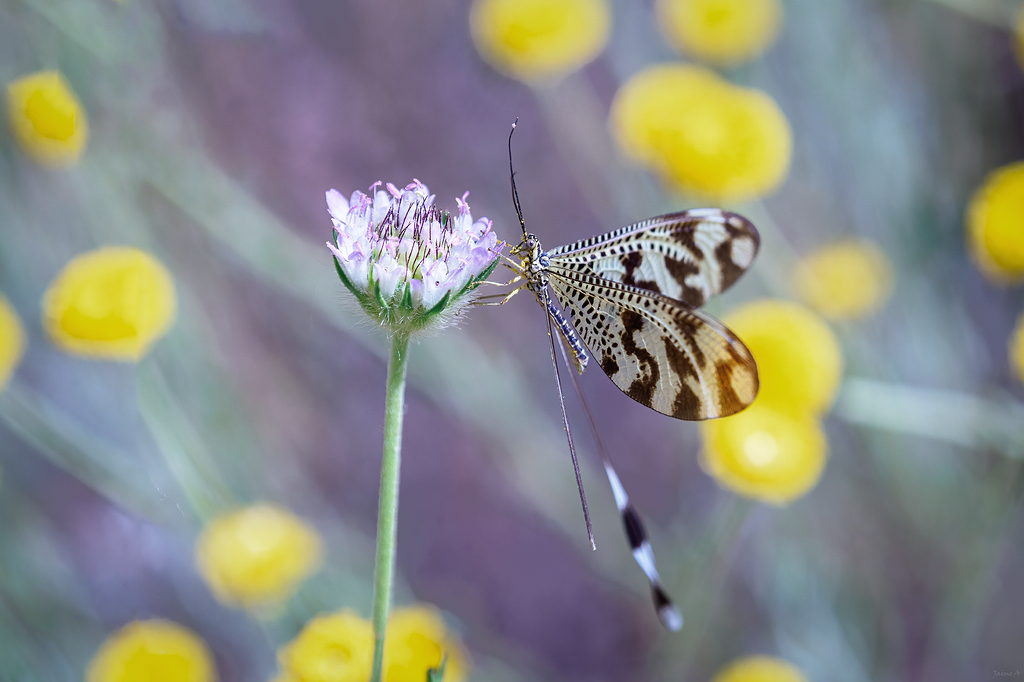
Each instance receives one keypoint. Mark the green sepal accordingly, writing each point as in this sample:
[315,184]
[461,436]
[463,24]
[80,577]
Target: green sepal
[407,297]
[440,305]
[487,273]
[437,674]
[376,293]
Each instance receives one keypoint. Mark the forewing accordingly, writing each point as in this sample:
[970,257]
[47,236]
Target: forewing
[659,351]
[688,256]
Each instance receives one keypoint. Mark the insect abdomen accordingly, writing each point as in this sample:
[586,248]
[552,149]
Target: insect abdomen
[569,334]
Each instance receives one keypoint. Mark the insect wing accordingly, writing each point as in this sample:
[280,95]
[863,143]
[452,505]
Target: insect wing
[688,256]
[657,350]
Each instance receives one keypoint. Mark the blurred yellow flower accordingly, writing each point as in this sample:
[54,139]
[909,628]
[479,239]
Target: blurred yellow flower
[257,556]
[702,134]
[12,341]
[759,669]
[723,32]
[112,303]
[995,224]
[764,454]
[538,40]
[331,648]
[152,651]
[46,118]
[799,361]
[1016,348]
[415,641]
[848,279]
[339,648]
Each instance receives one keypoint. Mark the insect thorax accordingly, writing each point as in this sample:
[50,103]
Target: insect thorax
[534,265]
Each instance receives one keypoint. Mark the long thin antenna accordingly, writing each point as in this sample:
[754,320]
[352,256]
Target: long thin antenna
[565,423]
[636,533]
[512,173]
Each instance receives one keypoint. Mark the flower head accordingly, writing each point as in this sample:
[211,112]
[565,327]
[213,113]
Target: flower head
[46,118]
[416,640]
[111,303]
[995,225]
[764,454]
[12,341]
[411,265]
[153,650]
[759,669]
[702,134]
[257,556]
[538,40]
[339,648]
[848,279]
[331,648]
[775,450]
[722,32]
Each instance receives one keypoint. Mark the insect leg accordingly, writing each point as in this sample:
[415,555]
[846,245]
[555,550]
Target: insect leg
[504,300]
[509,283]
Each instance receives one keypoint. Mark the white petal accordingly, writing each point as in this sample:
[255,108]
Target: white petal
[337,205]
[381,206]
[389,273]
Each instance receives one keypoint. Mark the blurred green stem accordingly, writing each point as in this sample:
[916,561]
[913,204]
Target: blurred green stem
[387,511]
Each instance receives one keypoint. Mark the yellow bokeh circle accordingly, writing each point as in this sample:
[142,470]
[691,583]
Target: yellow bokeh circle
[759,669]
[995,225]
[702,134]
[330,648]
[47,119]
[845,280]
[12,340]
[154,651]
[257,556]
[111,303]
[799,361]
[764,454]
[415,642]
[1016,348]
[723,32]
[339,648]
[539,40]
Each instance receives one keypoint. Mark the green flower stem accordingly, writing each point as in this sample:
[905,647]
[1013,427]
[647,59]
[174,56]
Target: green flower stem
[387,511]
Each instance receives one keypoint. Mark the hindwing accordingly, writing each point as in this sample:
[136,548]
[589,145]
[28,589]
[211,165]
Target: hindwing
[688,256]
[657,350]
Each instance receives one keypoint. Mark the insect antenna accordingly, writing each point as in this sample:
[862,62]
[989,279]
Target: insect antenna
[636,533]
[565,423]
[515,194]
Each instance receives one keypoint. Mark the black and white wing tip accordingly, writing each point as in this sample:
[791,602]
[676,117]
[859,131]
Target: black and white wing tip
[668,613]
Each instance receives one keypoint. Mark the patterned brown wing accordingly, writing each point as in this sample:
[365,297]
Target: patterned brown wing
[689,256]
[659,351]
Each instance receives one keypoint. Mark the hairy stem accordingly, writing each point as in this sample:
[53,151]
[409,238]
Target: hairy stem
[387,511]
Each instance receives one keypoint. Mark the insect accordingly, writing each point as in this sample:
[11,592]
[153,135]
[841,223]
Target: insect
[632,298]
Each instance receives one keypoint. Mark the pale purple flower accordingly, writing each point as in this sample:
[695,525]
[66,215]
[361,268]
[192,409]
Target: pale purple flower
[402,256]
